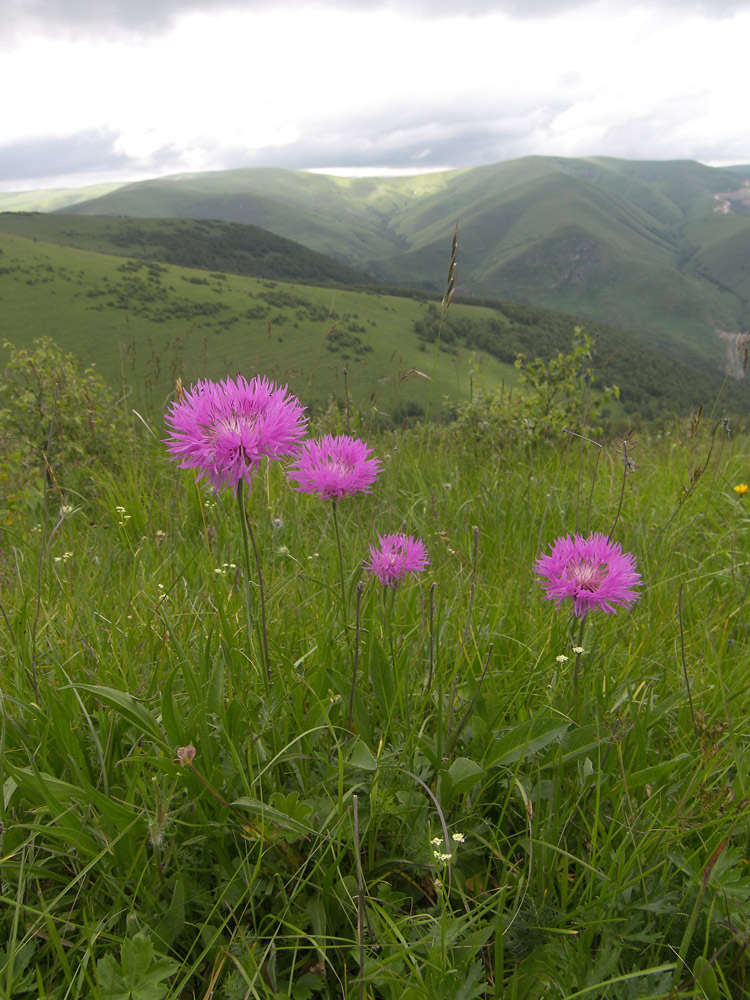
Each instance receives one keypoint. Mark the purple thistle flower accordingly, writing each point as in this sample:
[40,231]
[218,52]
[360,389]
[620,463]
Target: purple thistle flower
[335,467]
[396,556]
[594,572]
[225,428]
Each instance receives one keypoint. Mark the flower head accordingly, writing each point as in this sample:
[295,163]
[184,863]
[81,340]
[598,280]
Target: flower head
[335,467]
[225,428]
[395,556]
[740,489]
[594,572]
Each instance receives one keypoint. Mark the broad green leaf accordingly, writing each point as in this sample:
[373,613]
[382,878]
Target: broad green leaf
[525,740]
[464,774]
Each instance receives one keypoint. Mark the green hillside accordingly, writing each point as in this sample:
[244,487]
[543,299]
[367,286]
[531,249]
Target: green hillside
[144,323]
[625,242]
[211,245]
[51,199]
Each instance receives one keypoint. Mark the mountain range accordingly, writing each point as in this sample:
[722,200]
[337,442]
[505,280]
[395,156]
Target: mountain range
[659,249]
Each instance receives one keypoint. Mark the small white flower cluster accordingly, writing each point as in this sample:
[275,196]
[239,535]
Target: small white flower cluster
[124,518]
[222,570]
[562,658]
[64,557]
[437,843]
[161,596]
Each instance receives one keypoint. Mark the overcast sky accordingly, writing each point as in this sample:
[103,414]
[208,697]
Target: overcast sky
[109,90]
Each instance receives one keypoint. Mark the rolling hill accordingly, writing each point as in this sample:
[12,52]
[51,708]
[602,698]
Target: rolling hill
[660,249]
[207,244]
[144,320]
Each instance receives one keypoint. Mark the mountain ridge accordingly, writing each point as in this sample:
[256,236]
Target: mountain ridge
[640,244]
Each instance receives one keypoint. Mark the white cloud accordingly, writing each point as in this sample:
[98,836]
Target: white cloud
[248,84]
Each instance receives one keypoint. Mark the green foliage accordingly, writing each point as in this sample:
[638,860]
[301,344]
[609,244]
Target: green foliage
[560,391]
[419,807]
[556,397]
[57,418]
[138,977]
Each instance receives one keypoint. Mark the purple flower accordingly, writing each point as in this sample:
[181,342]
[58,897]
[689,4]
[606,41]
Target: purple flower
[225,428]
[594,572]
[396,556]
[335,467]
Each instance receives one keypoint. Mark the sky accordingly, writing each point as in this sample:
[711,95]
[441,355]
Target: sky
[119,90]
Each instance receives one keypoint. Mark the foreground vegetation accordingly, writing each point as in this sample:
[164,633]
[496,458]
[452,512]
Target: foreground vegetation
[450,789]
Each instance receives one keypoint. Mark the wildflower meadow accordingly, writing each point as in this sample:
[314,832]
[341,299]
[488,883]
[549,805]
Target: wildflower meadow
[298,706]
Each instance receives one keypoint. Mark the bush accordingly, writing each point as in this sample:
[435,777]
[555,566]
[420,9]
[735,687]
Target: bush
[556,397]
[57,415]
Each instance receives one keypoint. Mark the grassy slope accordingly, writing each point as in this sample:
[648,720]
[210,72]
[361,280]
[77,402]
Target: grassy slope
[156,322]
[610,239]
[52,199]
[167,321]
[218,246]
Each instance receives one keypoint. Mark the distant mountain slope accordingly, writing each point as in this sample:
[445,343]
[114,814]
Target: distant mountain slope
[211,245]
[51,199]
[653,247]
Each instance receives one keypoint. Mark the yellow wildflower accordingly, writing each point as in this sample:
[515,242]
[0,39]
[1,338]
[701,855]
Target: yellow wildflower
[741,489]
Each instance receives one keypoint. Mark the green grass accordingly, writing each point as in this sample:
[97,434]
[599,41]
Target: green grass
[605,825]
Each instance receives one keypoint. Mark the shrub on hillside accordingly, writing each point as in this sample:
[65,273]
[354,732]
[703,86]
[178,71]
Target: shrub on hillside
[556,397]
[56,414]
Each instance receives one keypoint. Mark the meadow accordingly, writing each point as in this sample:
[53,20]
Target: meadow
[148,301]
[236,764]
[640,245]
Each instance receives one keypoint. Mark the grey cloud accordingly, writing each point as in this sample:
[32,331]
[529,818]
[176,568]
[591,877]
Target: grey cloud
[46,156]
[458,139]
[146,17]
[65,160]
[442,137]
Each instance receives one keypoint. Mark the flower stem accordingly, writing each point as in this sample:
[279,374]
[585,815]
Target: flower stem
[246,551]
[360,590]
[263,624]
[577,673]
[247,535]
[341,561]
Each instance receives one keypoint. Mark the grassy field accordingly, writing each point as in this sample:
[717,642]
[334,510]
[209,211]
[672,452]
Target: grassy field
[451,789]
[148,323]
[641,245]
[108,290]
